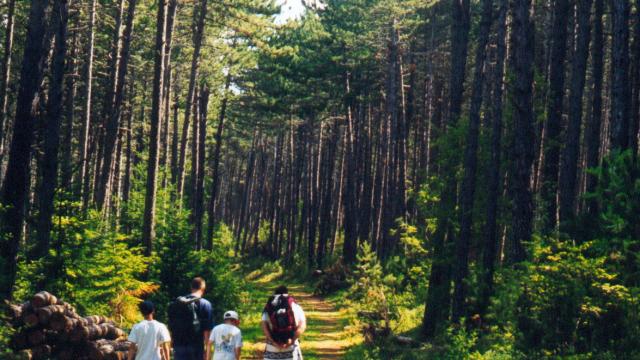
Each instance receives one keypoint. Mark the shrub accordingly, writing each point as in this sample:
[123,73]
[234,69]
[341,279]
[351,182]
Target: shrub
[571,302]
[90,266]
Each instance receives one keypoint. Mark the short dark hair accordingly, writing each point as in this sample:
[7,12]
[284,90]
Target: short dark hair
[280,290]
[147,307]
[197,283]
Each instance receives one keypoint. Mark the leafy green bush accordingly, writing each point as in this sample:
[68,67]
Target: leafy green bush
[368,284]
[101,270]
[410,266]
[617,195]
[6,331]
[566,301]
[90,266]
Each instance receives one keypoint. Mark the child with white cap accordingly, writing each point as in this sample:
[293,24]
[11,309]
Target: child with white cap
[226,338]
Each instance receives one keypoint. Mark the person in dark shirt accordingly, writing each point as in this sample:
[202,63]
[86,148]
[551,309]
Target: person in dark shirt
[186,344]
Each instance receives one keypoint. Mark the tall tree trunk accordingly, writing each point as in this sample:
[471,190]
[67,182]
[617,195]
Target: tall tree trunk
[195,63]
[15,188]
[569,168]
[380,180]
[467,192]
[553,124]
[172,9]
[66,172]
[327,193]
[275,197]
[108,99]
[592,132]
[148,227]
[396,200]
[438,298]
[620,94]
[83,176]
[281,201]
[410,123]
[635,85]
[338,205]
[215,181]
[366,205]
[115,179]
[5,78]
[94,157]
[490,246]
[46,192]
[115,113]
[175,130]
[294,180]
[246,194]
[304,142]
[521,93]
[314,195]
[128,132]
[436,127]
[126,186]
[401,150]
[113,63]
[195,148]
[202,136]
[350,245]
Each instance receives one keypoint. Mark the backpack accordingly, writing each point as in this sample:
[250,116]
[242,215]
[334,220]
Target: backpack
[183,321]
[283,322]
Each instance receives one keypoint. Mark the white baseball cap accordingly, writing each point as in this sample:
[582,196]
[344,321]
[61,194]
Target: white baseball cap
[231,315]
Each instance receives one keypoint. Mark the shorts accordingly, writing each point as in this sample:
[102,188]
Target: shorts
[275,353]
[188,352]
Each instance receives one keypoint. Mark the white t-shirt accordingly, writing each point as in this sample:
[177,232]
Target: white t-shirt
[148,336]
[226,339]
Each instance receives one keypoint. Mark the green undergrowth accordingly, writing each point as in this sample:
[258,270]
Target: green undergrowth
[566,303]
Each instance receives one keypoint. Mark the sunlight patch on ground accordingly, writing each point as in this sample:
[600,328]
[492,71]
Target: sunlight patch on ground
[261,276]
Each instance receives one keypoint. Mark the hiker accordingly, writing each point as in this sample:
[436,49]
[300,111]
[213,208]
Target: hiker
[283,322]
[149,338]
[226,339]
[190,322]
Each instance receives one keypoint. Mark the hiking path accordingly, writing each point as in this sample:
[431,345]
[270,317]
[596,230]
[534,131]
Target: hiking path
[327,336]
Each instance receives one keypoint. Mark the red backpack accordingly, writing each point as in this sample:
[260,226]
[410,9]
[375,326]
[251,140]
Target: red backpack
[279,308]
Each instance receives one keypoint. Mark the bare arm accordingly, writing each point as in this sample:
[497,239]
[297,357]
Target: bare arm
[165,350]
[300,330]
[238,350]
[132,351]
[207,352]
[205,337]
[266,332]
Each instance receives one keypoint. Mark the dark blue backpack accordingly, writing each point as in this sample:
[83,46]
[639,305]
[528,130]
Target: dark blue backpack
[184,322]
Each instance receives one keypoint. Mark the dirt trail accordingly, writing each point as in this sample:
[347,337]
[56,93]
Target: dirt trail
[325,338]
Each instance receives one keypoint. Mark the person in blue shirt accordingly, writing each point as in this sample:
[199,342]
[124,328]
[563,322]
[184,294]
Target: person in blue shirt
[190,323]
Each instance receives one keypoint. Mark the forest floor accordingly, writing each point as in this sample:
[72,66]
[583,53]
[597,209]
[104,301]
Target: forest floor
[327,335]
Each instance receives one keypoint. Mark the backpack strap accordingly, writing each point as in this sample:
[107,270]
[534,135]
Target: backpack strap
[188,298]
[291,313]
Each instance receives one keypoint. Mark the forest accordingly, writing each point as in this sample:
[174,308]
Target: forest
[458,179]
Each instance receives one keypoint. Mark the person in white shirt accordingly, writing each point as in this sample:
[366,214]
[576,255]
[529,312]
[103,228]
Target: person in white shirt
[226,339]
[283,340]
[150,339]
